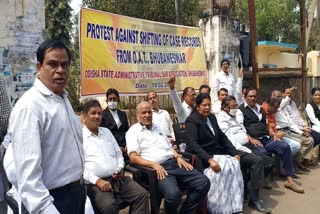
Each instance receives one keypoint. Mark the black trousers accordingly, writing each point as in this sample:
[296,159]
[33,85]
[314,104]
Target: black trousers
[67,200]
[253,168]
[267,162]
[195,182]
[130,193]
[71,199]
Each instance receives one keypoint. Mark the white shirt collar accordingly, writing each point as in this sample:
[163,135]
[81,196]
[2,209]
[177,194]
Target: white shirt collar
[87,133]
[225,114]
[141,127]
[186,105]
[160,111]
[257,105]
[225,73]
[46,91]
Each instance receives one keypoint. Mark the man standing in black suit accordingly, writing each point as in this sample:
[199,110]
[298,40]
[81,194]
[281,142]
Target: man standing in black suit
[114,119]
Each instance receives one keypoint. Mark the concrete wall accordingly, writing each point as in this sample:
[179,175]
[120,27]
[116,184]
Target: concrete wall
[221,40]
[280,59]
[22,25]
[313,63]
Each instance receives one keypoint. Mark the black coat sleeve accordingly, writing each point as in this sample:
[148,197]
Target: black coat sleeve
[125,122]
[193,140]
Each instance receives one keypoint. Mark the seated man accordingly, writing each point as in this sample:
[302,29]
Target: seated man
[204,89]
[236,132]
[270,107]
[296,118]
[292,131]
[160,116]
[148,146]
[184,109]
[216,107]
[114,119]
[104,162]
[253,117]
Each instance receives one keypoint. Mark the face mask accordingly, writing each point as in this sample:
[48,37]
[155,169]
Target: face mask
[112,105]
[233,112]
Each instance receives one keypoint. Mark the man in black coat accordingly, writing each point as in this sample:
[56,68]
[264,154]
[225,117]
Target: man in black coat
[114,119]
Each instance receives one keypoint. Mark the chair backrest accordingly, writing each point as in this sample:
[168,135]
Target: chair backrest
[180,133]
[12,203]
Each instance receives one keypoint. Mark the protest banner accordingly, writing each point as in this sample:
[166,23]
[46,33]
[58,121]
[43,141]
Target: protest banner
[136,56]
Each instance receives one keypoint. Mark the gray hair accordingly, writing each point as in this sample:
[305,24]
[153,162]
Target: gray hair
[142,103]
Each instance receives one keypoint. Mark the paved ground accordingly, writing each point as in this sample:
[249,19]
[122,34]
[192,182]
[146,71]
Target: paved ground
[284,201]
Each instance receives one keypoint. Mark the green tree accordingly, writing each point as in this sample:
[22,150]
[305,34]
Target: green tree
[59,25]
[155,10]
[314,41]
[276,20]
[73,87]
[58,21]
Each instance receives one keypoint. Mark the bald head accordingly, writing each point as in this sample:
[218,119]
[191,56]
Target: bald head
[277,94]
[144,113]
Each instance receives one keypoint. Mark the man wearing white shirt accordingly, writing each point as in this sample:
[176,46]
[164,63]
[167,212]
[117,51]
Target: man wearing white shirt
[225,79]
[160,116]
[292,131]
[148,146]
[251,163]
[204,89]
[47,138]
[184,109]
[107,188]
[216,106]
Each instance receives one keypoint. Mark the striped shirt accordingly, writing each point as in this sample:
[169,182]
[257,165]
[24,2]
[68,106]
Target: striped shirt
[4,109]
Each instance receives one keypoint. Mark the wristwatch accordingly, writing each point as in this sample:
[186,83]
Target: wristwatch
[178,156]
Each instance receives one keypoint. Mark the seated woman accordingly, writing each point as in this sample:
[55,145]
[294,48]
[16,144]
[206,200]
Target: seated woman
[313,109]
[211,145]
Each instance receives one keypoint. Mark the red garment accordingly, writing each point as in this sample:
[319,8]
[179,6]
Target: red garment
[270,117]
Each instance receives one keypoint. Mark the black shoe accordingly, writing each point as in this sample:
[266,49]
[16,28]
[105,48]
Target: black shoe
[257,205]
[298,171]
[267,184]
[295,176]
[303,168]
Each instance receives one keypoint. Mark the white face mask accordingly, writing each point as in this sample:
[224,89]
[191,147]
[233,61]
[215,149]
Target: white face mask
[233,112]
[112,105]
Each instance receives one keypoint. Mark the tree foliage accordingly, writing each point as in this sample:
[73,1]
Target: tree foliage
[73,87]
[276,20]
[58,21]
[314,41]
[155,10]
[59,24]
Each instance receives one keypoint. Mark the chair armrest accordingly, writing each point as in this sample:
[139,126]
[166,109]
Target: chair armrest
[185,154]
[151,173]
[131,169]
[193,159]
[151,186]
